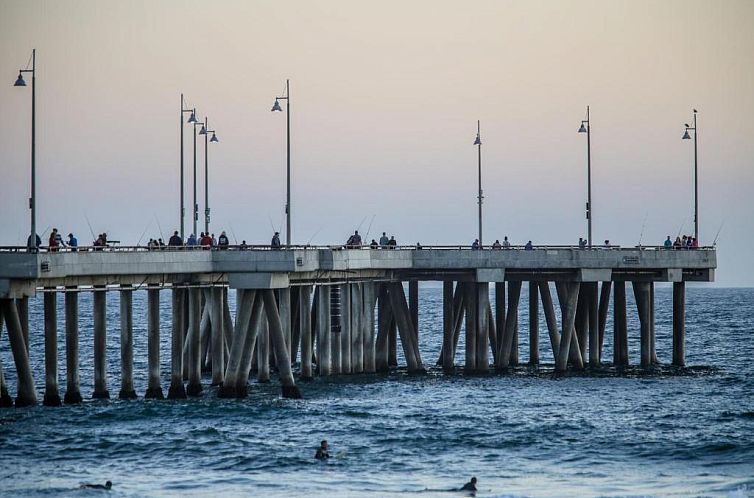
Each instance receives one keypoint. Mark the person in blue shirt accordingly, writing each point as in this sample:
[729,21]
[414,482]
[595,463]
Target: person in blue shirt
[73,242]
[191,240]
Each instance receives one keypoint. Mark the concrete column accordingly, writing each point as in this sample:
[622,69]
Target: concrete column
[263,351]
[26,393]
[511,319]
[574,348]
[499,316]
[100,344]
[459,311]
[679,324]
[482,339]
[514,345]
[384,319]
[492,335]
[252,333]
[641,293]
[594,331]
[278,343]
[413,302]
[154,389]
[471,299]
[357,328]
[185,334]
[550,318]
[336,312]
[568,304]
[652,340]
[305,325]
[5,400]
[368,335]
[126,344]
[620,330]
[402,316]
[604,305]
[72,388]
[216,318]
[194,387]
[205,331]
[286,316]
[52,396]
[227,329]
[22,304]
[177,389]
[533,323]
[323,330]
[345,328]
[448,321]
[244,308]
[582,320]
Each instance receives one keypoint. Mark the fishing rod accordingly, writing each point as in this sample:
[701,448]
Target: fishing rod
[714,242]
[90,228]
[144,233]
[271,225]
[362,222]
[235,240]
[315,234]
[643,225]
[369,228]
[158,226]
[681,229]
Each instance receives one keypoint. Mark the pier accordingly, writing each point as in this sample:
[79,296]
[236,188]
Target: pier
[322,311]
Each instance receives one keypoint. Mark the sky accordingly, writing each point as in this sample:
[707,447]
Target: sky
[385,98]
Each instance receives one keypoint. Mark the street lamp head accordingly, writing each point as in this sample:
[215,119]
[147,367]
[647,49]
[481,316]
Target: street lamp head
[276,106]
[20,81]
[478,140]
[583,128]
[192,118]
[686,135]
[214,138]
[203,131]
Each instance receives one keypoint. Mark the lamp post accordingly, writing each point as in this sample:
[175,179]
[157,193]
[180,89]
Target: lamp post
[478,143]
[32,245]
[696,177]
[276,108]
[192,120]
[588,132]
[183,209]
[206,131]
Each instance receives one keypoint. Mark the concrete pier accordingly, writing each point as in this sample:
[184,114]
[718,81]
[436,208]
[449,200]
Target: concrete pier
[306,331]
[345,328]
[357,328]
[278,343]
[620,328]
[472,305]
[568,302]
[592,295]
[511,323]
[323,330]
[22,304]
[194,387]
[641,294]
[263,350]
[154,389]
[533,323]
[100,344]
[482,315]
[214,300]
[26,392]
[51,396]
[73,383]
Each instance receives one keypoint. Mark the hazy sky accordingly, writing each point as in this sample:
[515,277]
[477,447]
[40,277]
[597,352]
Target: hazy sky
[385,98]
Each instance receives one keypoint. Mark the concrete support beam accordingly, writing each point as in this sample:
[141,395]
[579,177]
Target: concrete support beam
[100,344]
[305,325]
[22,304]
[357,328]
[594,331]
[194,387]
[506,346]
[568,304]
[154,389]
[345,327]
[448,321]
[126,344]
[482,315]
[244,307]
[550,318]
[73,383]
[406,331]
[252,333]
[472,322]
[384,319]
[336,341]
[5,400]
[499,317]
[642,295]
[177,390]
[324,365]
[370,299]
[263,351]
[413,302]
[26,394]
[52,395]
[604,305]
[278,343]
[216,318]
[679,324]
[652,335]
[620,329]
[286,317]
[533,323]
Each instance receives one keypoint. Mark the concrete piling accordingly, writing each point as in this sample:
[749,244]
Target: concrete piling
[278,343]
[448,321]
[368,334]
[323,330]
[305,326]
[217,340]
[679,324]
[413,302]
[244,308]
[357,328]
[345,328]
[100,344]
[641,293]
[568,305]
[550,318]
[154,390]
[194,387]
[26,394]
[384,319]
[406,333]
[533,323]
[336,341]
[177,390]
[604,306]
[51,396]
[252,333]
[593,320]
[471,299]
[286,317]
[22,304]
[574,349]
[5,400]
[263,351]
[73,383]
[511,318]
[652,337]
[620,329]
[127,343]
[482,360]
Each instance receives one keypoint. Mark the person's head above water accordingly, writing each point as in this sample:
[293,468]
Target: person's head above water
[323,444]
[109,484]
[473,480]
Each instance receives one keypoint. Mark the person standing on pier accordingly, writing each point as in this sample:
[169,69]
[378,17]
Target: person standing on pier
[668,244]
[392,244]
[496,245]
[175,240]
[191,242]
[53,241]
[529,246]
[506,243]
[223,242]
[275,242]
[373,244]
[475,245]
[73,242]
[384,241]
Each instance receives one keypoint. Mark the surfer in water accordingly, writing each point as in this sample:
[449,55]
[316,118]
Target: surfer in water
[322,453]
[105,486]
[470,486]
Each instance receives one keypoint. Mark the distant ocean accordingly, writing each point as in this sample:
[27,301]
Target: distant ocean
[668,432]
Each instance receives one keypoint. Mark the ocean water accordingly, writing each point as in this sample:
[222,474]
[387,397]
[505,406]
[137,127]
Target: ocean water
[664,432]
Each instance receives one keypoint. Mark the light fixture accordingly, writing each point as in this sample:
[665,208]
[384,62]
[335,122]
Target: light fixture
[276,106]
[214,138]
[582,129]
[20,81]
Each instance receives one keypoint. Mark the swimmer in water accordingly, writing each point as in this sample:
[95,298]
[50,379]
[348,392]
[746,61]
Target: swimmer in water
[470,486]
[106,486]
[322,453]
